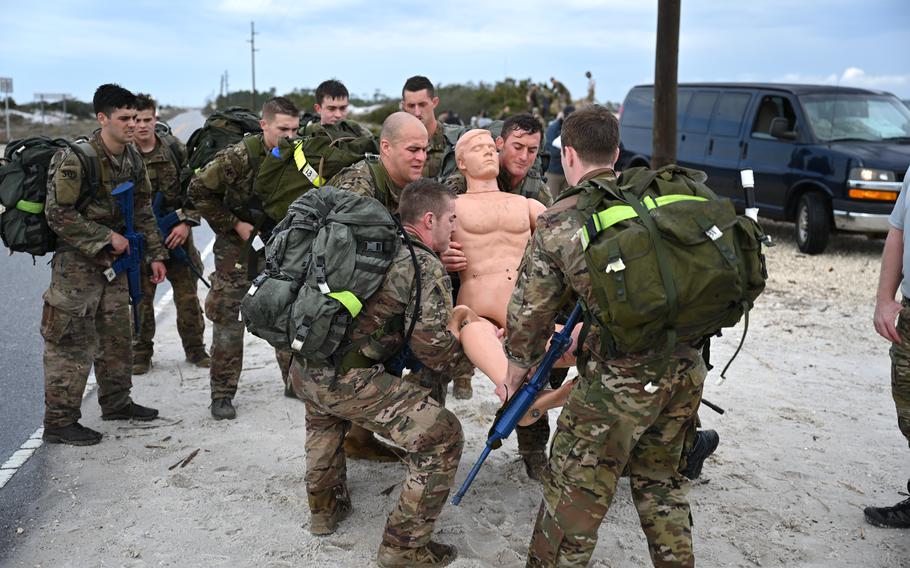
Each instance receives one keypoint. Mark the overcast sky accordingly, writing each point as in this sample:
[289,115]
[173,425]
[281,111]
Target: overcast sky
[178,50]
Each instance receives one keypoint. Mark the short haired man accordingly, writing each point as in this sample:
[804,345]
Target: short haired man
[86,317]
[518,145]
[556,179]
[331,101]
[418,98]
[223,194]
[608,423]
[165,157]
[389,405]
[895,274]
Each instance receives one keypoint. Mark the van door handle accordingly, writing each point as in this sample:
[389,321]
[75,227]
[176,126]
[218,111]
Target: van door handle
[682,138]
[710,146]
[745,151]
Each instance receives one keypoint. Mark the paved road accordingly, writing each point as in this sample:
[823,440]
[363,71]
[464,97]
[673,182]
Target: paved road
[21,370]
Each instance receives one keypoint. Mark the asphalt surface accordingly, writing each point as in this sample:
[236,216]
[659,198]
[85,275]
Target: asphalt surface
[22,283]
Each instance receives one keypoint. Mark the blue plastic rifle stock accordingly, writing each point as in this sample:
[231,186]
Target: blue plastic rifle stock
[166,223]
[519,404]
[131,263]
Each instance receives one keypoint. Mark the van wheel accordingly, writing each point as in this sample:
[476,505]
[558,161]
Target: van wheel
[813,223]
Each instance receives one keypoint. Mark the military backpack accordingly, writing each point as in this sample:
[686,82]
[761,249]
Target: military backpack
[324,259]
[23,190]
[222,129]
[669,261]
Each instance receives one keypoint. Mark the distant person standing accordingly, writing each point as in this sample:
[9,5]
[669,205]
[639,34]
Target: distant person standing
[590,87]
[895,272]
[561,96]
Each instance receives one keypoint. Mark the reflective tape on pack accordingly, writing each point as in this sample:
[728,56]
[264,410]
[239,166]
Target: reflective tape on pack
[605,219]
[304,167]
[349,301]
[33,207]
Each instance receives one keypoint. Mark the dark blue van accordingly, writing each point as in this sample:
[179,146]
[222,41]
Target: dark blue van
[828,158]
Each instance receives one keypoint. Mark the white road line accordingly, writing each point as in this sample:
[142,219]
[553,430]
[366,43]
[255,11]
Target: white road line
[30,446]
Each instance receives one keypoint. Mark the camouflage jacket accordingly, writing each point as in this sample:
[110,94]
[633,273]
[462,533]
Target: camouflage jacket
[164,164]
[532,186]
[552,271]
[369,177]
[435,152]
[223,189]
[433,344]
[89,230]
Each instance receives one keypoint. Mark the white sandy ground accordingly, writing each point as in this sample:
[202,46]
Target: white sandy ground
[809,439]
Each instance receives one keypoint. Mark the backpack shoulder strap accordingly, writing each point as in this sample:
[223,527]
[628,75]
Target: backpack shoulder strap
[91,167]
[381,194]
[254,146]
[173,146]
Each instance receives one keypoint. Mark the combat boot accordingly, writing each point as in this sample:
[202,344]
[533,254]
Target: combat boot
[222,409]
[896,517]
[141,364]
[433,554]
[706,442]
[328,508]
[199,358]
[131,411]
[462,389]
[74,434]
[535,465]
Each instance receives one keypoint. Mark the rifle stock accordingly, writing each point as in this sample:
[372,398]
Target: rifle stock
[518,405]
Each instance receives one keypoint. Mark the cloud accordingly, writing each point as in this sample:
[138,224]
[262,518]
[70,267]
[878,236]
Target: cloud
[282,8]
[853,77]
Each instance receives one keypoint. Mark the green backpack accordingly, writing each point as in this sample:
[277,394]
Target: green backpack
[221,129]
[23,190]
[324,259]
[669,260]
[295,166]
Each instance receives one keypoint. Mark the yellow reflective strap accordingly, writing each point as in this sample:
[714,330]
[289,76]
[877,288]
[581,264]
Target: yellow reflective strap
[30,206]
[612,215]
[348,300]
[668,199]
[304,167]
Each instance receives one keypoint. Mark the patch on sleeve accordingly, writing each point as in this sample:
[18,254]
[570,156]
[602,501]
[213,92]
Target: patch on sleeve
[68,184]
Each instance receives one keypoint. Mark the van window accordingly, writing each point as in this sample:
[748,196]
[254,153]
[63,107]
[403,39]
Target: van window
[682,102]
[700,112]
[729,113]
[638,109]
[771,107]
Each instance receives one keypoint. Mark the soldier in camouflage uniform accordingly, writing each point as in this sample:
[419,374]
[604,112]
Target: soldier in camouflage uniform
[360,391]
[895,274]
[418,98]
[518,146]
[86,317]
[332,104]
[164,158]
[402,147]
[631,411]
[223,194]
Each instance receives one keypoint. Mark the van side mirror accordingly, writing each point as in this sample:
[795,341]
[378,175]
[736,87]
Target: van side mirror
[779,129]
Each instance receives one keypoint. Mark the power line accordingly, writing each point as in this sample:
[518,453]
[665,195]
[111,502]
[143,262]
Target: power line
[253,50]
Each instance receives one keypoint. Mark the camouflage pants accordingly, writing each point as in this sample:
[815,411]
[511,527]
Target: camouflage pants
[609,422]
[391,407]
[190,323]
[85,322]
[436,383]
[900,370]
[222,306]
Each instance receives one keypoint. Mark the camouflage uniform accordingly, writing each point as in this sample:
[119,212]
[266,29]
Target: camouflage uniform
[610,421]
[369,177]
[532,186]
[86,319]
[435,151]
[368,396]
[164,174]
[222,192]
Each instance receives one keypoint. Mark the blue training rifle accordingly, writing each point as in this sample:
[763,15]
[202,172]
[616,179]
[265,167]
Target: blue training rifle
[131,262]
[519,404]
[165,224]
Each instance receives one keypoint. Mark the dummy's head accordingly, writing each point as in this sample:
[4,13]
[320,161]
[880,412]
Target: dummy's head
[475,154]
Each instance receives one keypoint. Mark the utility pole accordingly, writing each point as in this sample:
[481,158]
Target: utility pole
[253,50]
[6,87]
[666,63]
